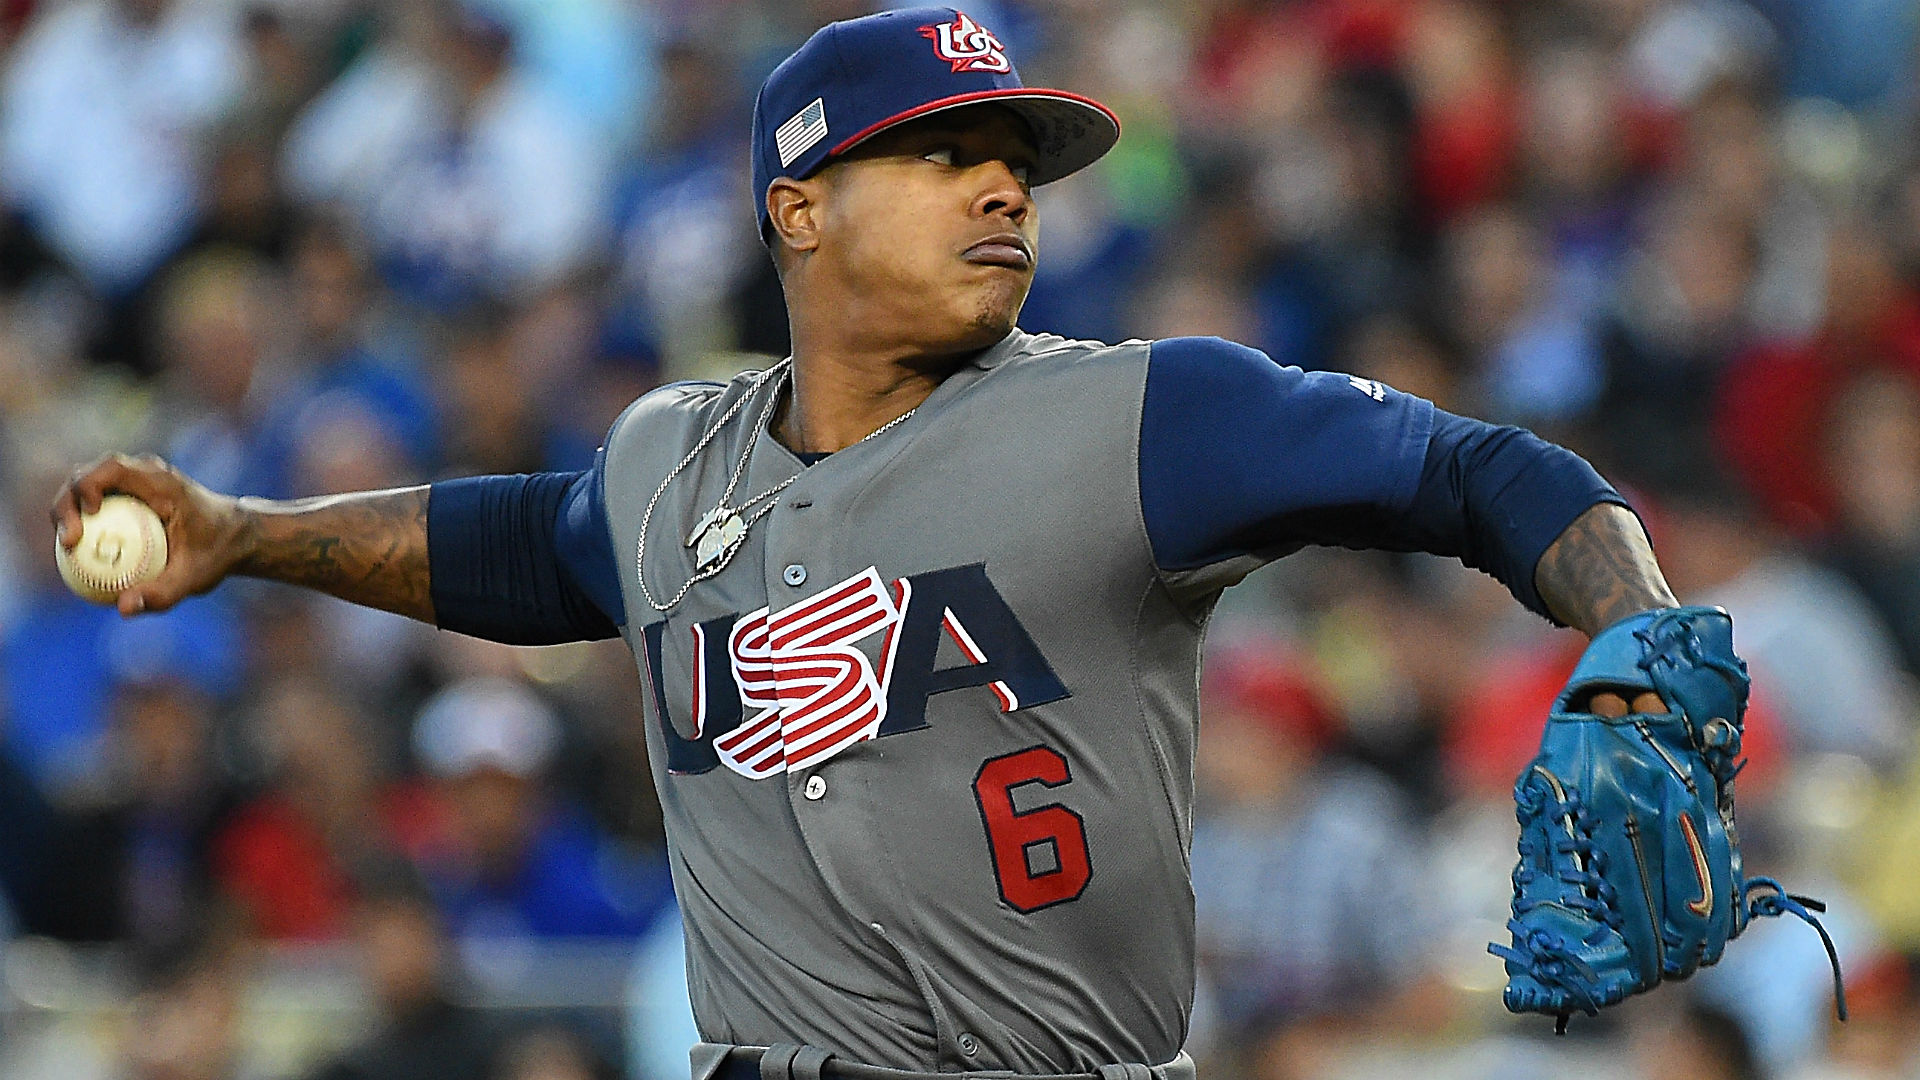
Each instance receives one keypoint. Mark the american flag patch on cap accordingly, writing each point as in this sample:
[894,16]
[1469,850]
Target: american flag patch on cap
[797,136]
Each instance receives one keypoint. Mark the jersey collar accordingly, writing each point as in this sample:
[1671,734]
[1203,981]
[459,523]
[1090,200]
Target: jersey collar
[1007,347]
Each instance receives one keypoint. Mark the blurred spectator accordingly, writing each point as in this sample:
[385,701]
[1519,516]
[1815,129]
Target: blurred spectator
[684,228]
[64,658]
[1812,642]
[1881,1038]
[1694,1043]
[24,870]
[185,1020]
[1460,71]
[596,58]
[423,1033]
[1402,352]
[1534,356]
[1884,853]
[1401,641]
[344,356]
[504,429]
[135,860]
[287,853]
[1684,307]
[1873,454]
[1729,158]
[468,180]
[556,342]
[520,858]
[216,333]
[1854,52]
[1095,256]
[1285,826]
[284,69]
[1774,402]
[551,1053]
[1675,50]
[1579,150]
[103,104]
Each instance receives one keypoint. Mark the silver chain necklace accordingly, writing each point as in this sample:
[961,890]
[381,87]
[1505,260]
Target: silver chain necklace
[722,531]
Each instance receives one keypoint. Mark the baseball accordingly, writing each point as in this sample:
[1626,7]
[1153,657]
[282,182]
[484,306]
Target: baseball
[121,545]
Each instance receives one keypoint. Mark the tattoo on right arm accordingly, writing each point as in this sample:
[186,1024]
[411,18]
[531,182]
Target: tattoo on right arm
[1601,570]
[367,547]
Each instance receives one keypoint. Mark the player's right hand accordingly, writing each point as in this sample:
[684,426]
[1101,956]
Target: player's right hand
[206,531]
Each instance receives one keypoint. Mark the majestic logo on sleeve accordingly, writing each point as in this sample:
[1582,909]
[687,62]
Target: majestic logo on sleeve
[967,45]
[1368,387]
[775,691]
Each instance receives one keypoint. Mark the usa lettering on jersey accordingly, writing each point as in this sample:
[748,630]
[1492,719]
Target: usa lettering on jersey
[776,691]
[815,693]
[967,45]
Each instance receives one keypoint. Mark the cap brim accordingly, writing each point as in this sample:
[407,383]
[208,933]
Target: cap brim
[1070,132]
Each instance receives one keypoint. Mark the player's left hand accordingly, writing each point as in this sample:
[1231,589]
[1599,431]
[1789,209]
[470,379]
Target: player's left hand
[1629,869]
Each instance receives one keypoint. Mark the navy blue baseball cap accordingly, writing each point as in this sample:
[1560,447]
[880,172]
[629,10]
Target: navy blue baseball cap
[855,79]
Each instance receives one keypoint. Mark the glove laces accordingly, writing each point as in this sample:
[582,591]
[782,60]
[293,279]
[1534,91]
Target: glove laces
[1556,832]
[1776,901]
[1576,864]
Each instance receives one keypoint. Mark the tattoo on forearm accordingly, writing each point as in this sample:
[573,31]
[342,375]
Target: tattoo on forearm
[1600,570]
[369,548]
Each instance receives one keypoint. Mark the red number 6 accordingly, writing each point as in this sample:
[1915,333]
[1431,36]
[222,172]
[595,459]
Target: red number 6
[1039,855]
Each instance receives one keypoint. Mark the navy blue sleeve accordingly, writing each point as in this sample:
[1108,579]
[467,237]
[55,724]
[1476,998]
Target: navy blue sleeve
[1240,456]
[1497,497]
[524,560]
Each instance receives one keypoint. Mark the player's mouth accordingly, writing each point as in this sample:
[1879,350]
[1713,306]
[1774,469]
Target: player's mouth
[1002,249]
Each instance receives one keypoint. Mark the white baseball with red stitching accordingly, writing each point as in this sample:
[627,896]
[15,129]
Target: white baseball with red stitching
[122,544]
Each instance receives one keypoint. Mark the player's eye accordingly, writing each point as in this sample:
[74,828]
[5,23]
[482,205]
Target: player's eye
[942,155]
[1023,173]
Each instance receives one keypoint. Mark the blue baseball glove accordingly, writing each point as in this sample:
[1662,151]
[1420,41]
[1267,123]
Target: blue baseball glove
[1629,868]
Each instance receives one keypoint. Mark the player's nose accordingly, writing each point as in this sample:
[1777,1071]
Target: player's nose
[1002,192]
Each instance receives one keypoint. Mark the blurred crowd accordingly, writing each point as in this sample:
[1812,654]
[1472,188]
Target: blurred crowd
[310,246]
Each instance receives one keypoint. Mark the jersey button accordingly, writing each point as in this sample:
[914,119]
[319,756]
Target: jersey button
[968,1044]
[794,574]
[816,788]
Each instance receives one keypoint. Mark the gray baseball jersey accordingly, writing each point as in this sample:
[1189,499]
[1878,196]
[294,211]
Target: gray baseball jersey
[925,745]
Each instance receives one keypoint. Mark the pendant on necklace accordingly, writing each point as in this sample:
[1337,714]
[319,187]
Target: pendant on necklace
[715,535]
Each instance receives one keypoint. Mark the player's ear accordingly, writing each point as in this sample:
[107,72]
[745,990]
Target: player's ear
[793,207]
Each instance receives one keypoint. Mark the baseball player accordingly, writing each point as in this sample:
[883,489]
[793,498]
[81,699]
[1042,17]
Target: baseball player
[918,610]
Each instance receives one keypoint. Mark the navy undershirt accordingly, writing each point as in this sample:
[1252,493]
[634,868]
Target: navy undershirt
[1238,456]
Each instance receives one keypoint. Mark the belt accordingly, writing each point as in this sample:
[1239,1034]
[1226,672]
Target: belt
[712,1061]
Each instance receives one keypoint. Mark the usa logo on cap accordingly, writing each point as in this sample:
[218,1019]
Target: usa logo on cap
[862,76]
[970,46]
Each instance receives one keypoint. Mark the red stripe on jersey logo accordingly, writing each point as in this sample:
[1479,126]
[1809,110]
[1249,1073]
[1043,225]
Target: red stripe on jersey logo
[1008,701]
[753,749]
[814,692]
